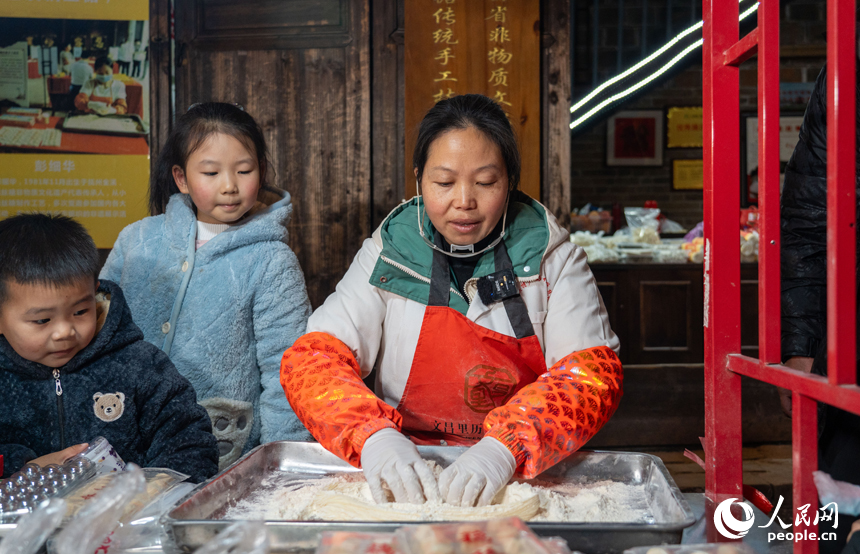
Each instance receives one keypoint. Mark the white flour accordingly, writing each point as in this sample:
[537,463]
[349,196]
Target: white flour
[603,501]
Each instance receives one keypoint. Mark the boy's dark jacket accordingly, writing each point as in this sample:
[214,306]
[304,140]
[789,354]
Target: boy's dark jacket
[153,418]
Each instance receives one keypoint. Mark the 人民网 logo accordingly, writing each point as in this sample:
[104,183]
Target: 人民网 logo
[727,524]
[732,528]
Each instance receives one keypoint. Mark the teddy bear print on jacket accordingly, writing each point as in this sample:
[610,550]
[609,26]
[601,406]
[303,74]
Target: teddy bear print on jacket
[108,407]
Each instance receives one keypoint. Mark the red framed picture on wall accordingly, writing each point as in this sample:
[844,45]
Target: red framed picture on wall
[635,138]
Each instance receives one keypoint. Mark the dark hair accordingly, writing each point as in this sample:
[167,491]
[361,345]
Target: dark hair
[189,132]
[462,112]
[45,249]
[102,61]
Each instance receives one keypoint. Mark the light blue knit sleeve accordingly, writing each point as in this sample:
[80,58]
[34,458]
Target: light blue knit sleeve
[281,311]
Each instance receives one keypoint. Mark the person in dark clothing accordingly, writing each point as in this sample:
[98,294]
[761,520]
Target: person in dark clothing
[74,366]
[804,292]
[853,544]
[804,237]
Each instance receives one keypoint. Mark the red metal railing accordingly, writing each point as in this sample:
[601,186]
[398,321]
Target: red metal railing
[723,52]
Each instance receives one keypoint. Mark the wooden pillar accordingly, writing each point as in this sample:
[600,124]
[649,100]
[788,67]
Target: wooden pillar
[555,108]
[159,78]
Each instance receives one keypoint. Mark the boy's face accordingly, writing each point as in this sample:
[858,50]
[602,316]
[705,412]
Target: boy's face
[49,325]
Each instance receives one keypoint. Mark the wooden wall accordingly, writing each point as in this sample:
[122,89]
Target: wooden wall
[325,80]
[312,99]
[657,312]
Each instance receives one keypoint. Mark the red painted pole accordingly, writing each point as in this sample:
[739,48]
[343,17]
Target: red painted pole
[768,182]
[841,201]
[723,457]
[722,53]
[804,460]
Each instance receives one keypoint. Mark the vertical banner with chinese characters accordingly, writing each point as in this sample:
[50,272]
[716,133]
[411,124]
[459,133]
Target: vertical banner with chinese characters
[489,47]
[74,111]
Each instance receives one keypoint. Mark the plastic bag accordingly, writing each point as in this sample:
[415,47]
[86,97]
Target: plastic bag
[497,536]
[846,495]
[103,454]
[669,226]
[556,545]
[644,224]
[34,528]
[158,481]
[349,542]
[242,537]
[710,548]
[88,529]
[145,530]
[697,232]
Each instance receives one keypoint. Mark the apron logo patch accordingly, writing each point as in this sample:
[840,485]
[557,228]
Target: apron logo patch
[488,387]
[109,407]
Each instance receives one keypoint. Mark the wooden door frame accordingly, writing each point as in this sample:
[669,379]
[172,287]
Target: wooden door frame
[159,77]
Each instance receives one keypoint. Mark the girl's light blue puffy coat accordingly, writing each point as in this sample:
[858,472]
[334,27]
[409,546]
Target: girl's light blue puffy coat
[224,314]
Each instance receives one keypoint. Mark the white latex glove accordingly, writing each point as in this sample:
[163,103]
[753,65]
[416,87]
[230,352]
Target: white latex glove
[478,474]
[389,456]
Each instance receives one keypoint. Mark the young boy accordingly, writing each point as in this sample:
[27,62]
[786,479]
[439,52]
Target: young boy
[74,366]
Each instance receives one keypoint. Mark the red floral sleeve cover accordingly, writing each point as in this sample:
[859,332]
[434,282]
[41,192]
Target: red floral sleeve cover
[322,381]
[553,417]
[542,424]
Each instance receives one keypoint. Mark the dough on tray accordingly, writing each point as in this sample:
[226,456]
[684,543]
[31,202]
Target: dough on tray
[519,501]
[92,122]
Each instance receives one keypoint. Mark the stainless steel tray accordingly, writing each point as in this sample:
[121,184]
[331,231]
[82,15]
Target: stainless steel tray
[196,518]
[142,128]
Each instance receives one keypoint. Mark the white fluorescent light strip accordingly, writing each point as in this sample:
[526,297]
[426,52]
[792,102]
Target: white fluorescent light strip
[647,60]
[749,11]
[644,62]
[650,78]
[638,85]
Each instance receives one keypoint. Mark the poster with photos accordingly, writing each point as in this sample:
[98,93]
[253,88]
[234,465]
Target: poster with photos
[75,111]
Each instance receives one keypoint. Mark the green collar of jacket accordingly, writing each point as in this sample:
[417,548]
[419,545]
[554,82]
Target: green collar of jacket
[405,262]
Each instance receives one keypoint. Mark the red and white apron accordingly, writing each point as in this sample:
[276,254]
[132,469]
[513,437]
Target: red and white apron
[462,371]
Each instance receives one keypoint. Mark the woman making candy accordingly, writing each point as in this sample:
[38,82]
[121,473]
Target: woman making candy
[102,94]
[481,318]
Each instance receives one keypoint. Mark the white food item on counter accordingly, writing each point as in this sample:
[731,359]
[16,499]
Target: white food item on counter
[749,246]
[603,501]
[646,235]
[670,255]
[601,254]
[584,238]
[92,122]
[336,504]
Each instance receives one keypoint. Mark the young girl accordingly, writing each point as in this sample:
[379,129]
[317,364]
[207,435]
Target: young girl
[211,280]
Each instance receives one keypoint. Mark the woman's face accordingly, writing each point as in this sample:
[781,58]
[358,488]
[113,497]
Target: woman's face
[464,186]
